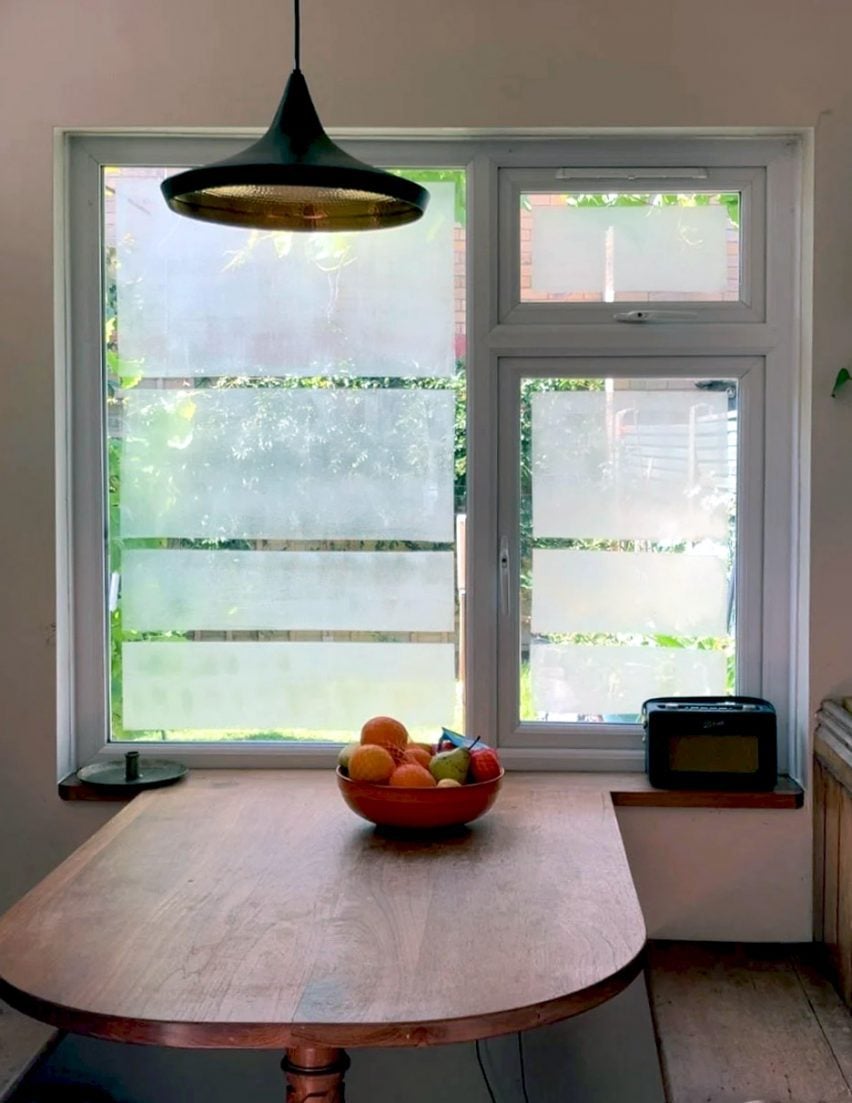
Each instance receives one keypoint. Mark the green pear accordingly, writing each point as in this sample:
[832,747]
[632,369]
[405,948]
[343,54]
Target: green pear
[451,764]
[344,756]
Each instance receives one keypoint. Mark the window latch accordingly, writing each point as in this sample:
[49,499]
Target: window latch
[504,575]
[635,316]
[623,173]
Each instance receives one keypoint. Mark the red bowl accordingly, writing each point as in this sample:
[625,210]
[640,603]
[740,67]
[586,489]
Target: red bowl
[418,809]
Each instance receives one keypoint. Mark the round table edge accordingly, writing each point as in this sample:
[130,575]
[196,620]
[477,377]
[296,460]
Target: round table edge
[222,1035]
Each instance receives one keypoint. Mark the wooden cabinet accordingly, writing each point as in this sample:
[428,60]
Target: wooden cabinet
[833,840]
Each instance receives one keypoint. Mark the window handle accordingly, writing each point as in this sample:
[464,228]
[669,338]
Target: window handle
[114,589]
[639,316]
[504,575]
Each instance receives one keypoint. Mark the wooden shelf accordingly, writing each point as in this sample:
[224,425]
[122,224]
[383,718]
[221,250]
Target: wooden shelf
[627,790]
[71,788]
[639,794]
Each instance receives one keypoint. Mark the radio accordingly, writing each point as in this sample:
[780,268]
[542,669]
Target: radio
[710,743]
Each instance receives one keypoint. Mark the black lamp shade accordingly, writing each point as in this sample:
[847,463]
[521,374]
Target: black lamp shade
[295,178]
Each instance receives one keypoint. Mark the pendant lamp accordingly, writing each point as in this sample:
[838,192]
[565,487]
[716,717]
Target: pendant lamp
[295,178]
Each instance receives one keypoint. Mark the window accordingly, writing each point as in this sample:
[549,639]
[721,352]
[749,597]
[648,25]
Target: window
[623,522]
[596,247]
[281,420]
[637,236]
[510,474]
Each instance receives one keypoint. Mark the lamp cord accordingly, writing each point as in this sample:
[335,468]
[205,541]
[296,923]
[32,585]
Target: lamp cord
[296,33]
[488,1087]
[522,1066]
[520,1062]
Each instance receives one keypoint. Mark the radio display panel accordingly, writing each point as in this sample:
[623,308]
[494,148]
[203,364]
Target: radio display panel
[731,753]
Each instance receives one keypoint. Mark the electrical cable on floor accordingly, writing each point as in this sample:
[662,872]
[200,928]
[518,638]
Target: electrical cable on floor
[523,1069]
[484,1073]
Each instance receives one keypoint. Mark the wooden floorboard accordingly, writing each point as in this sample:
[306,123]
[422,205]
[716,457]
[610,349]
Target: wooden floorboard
[22,1042]
[831,1013]
[741,1023]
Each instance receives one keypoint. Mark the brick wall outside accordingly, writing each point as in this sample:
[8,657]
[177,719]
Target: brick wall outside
[531,294]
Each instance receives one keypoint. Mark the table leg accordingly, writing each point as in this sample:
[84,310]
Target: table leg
[315,1074]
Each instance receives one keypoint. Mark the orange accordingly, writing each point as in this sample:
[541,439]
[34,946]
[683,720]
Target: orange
[384,729]
[420,755]
[396,753]
[412,776]
[370,763]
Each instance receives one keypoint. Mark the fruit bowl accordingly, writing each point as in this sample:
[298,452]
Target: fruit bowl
[418,809]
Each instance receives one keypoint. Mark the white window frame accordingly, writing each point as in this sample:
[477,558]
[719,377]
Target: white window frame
[749,182]
[582,743]
[761,331]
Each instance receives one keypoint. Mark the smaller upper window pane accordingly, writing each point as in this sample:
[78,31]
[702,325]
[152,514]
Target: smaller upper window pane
[630,247]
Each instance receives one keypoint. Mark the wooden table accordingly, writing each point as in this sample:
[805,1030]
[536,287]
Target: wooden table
[252,909]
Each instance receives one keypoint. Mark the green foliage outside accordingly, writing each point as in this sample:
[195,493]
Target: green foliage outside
[729,200]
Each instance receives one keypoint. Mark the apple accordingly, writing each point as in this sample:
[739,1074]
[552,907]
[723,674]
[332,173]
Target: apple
[484,764]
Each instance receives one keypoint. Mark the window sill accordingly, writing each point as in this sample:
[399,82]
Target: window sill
[628,791]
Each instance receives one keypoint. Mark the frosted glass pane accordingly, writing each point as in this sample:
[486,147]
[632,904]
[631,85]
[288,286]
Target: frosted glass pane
[245,590]
[609,252]
[274,686]
[670,249]
[283,463]
[614,591]
[571,680]
[567,251]
[199,299]
[633,464]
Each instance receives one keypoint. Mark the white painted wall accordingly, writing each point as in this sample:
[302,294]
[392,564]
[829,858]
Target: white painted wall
[394,63]
[716,874]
